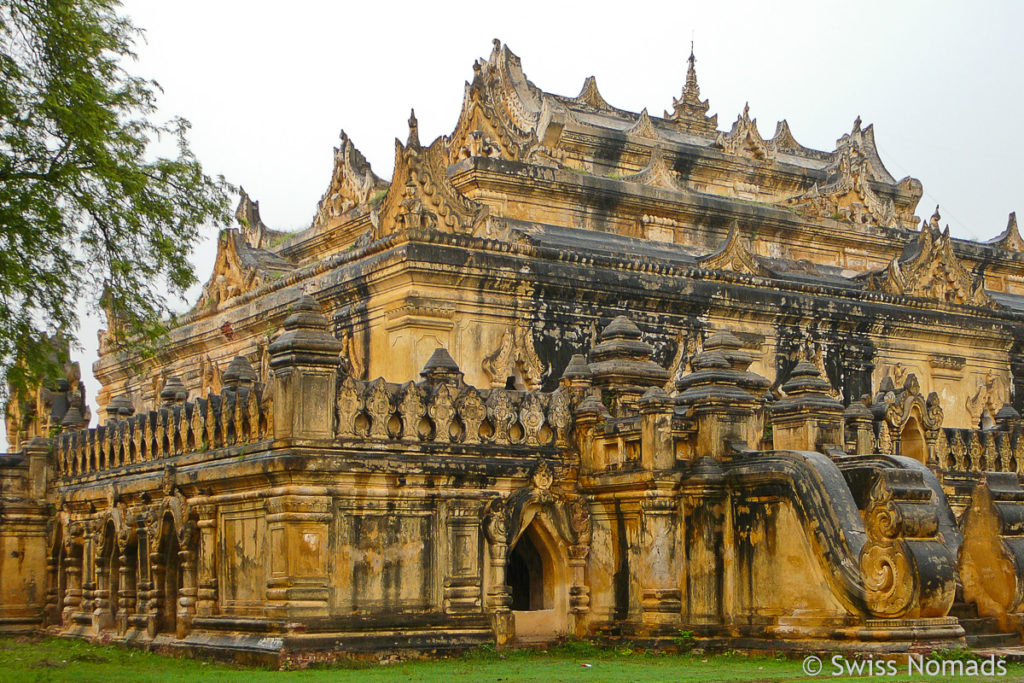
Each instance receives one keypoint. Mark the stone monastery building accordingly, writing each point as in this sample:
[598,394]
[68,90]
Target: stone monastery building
[573,370]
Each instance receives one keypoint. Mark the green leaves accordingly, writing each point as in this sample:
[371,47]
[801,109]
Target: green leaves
[85,212]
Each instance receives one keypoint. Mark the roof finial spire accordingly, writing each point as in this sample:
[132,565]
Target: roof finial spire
[689,110]
[414,130]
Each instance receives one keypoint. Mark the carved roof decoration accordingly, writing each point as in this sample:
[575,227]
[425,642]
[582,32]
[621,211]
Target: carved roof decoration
[847,195]
[353,183]
[247,214]
[420,195]
[519,98]
[928,268]
[657,173]
[689,112]
[733,256]
[237,269]
[486,125]
[744,139]
[863,140]
[644,127]
[784,142]
[590,97]
[1010,238]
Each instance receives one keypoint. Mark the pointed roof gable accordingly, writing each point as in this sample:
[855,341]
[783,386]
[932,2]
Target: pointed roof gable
[928,268]
[733,256]
[237,269]
[420,195]
[353,183]
[1010,238]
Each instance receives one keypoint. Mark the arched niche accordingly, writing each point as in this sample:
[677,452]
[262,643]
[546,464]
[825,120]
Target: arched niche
[912,441]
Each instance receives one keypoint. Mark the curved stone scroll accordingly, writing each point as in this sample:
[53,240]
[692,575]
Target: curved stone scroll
[908,572]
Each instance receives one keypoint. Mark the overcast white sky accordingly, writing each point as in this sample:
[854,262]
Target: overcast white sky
[268,85]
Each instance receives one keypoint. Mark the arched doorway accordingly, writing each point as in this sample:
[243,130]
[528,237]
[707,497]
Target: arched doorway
[536,573]
[912,442]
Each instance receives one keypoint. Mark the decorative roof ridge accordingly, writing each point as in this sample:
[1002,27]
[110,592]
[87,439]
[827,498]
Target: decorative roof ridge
[254,230]
[863,139]
[784,142]
[929,268]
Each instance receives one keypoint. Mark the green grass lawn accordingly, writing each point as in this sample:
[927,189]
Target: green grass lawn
[52,659]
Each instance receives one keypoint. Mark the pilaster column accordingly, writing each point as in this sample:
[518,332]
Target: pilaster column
[704,499]
[102,616]
[187,595]
[206,579]
[462,584]
[72,581]
[661,598]
[297,527]
[499,597]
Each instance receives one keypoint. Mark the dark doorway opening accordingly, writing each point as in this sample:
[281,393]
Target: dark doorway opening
[526,576]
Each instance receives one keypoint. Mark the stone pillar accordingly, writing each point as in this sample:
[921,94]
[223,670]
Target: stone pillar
[305,362]
[155,604]
[186,608]
[860,434]
[462,584]
[661,598]
[807,419]
[499,597]
[206,568]
[297,528]
[72,580]
[51,610]
[704,498]
[657,447]
[125,590]
[579,591]
[102,615]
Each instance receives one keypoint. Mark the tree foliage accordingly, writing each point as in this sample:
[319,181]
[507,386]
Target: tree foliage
[87,211]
